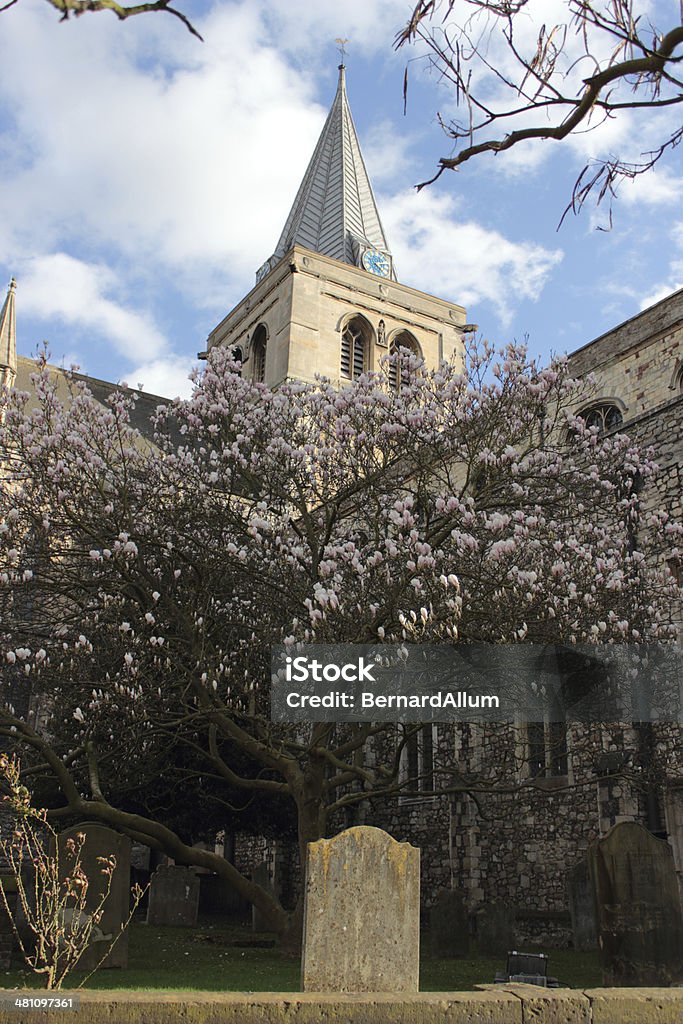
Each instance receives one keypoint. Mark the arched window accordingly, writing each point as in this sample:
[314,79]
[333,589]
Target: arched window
[403,348]
[258,354]
[605,417]
[238,357]
[354,348]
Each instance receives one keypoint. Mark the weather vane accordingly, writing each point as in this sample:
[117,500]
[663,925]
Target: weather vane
[342,49]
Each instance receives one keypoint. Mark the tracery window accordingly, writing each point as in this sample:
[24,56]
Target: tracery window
[258,343]
[354,346]
[403,347]
[605,417]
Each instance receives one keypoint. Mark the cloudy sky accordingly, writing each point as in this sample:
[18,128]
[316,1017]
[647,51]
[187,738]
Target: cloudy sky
[145,176]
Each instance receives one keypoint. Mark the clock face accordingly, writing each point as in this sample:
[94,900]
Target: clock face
[377,263]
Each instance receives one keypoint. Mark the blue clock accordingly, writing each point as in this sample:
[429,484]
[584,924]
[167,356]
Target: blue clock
[377,262]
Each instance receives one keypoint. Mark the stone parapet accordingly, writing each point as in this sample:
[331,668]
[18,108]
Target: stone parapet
[514,1004]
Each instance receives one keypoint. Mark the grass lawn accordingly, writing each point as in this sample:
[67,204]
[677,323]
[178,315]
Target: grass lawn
[206,958]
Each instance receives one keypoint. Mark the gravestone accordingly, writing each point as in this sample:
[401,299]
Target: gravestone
[101,841]
[173,897]
[260,875]
[361,914]
[140,856]
[449,925]
[9,887]
[638,909]
[582,907]
[496,929]
[217,898]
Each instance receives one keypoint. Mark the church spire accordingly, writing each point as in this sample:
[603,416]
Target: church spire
[335,212]
[8,338]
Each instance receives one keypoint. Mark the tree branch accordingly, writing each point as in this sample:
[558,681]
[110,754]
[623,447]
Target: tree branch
[80,7]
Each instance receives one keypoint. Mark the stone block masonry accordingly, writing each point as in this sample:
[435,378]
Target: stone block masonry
[516,1004]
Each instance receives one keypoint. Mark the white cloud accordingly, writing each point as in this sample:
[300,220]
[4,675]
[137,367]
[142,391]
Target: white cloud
[369,25]
[168,377]
[662,291]
[657,187]
[674,278]
[460,260]
[156,164]
[386,152]
[58,286]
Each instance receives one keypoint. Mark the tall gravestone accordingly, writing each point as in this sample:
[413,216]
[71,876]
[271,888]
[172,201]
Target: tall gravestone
[496,928]
[361,914]
[173,897]
[449,925]
[101,841]
[638,909]
[260,875]
[582,907]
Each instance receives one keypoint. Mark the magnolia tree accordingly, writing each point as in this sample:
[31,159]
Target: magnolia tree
[143,583]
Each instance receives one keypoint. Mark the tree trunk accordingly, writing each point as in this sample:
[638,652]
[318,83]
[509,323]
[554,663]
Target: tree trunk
[312,821]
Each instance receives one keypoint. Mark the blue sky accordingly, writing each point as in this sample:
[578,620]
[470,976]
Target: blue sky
[146,176]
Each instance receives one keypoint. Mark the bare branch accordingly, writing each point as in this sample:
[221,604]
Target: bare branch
[80,7]
[477,56]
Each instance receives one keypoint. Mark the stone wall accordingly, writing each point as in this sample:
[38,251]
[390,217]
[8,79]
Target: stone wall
[512,1004]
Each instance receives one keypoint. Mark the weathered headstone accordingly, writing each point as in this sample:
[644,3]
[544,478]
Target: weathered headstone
[173,897]
[101,841]
[640,931]
[361,914]
[448,925]
[582,907]
[496,929]
[260,875]
[140,856]
[9,887]
[217,898]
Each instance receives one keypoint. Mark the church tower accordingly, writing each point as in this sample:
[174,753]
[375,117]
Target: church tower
[328,300]
[8,339]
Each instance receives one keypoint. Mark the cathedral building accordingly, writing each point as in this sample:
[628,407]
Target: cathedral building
[328,301]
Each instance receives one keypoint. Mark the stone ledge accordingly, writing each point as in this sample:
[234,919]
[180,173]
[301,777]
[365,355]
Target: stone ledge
[636,1005]
[150,1007]
[509,1004]
[549,1005]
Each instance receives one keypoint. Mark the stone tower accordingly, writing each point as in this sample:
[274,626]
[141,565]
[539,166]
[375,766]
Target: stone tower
[328,301]
[8,339]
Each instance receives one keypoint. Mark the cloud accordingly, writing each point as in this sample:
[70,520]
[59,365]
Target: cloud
[674,278]
[369,25]
[168,377]
[58,286]
[657,187]
[460,260]
[386,152]
[155,163]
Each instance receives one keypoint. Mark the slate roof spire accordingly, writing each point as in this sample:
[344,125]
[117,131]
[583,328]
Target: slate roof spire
[8,338]
[334,212]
